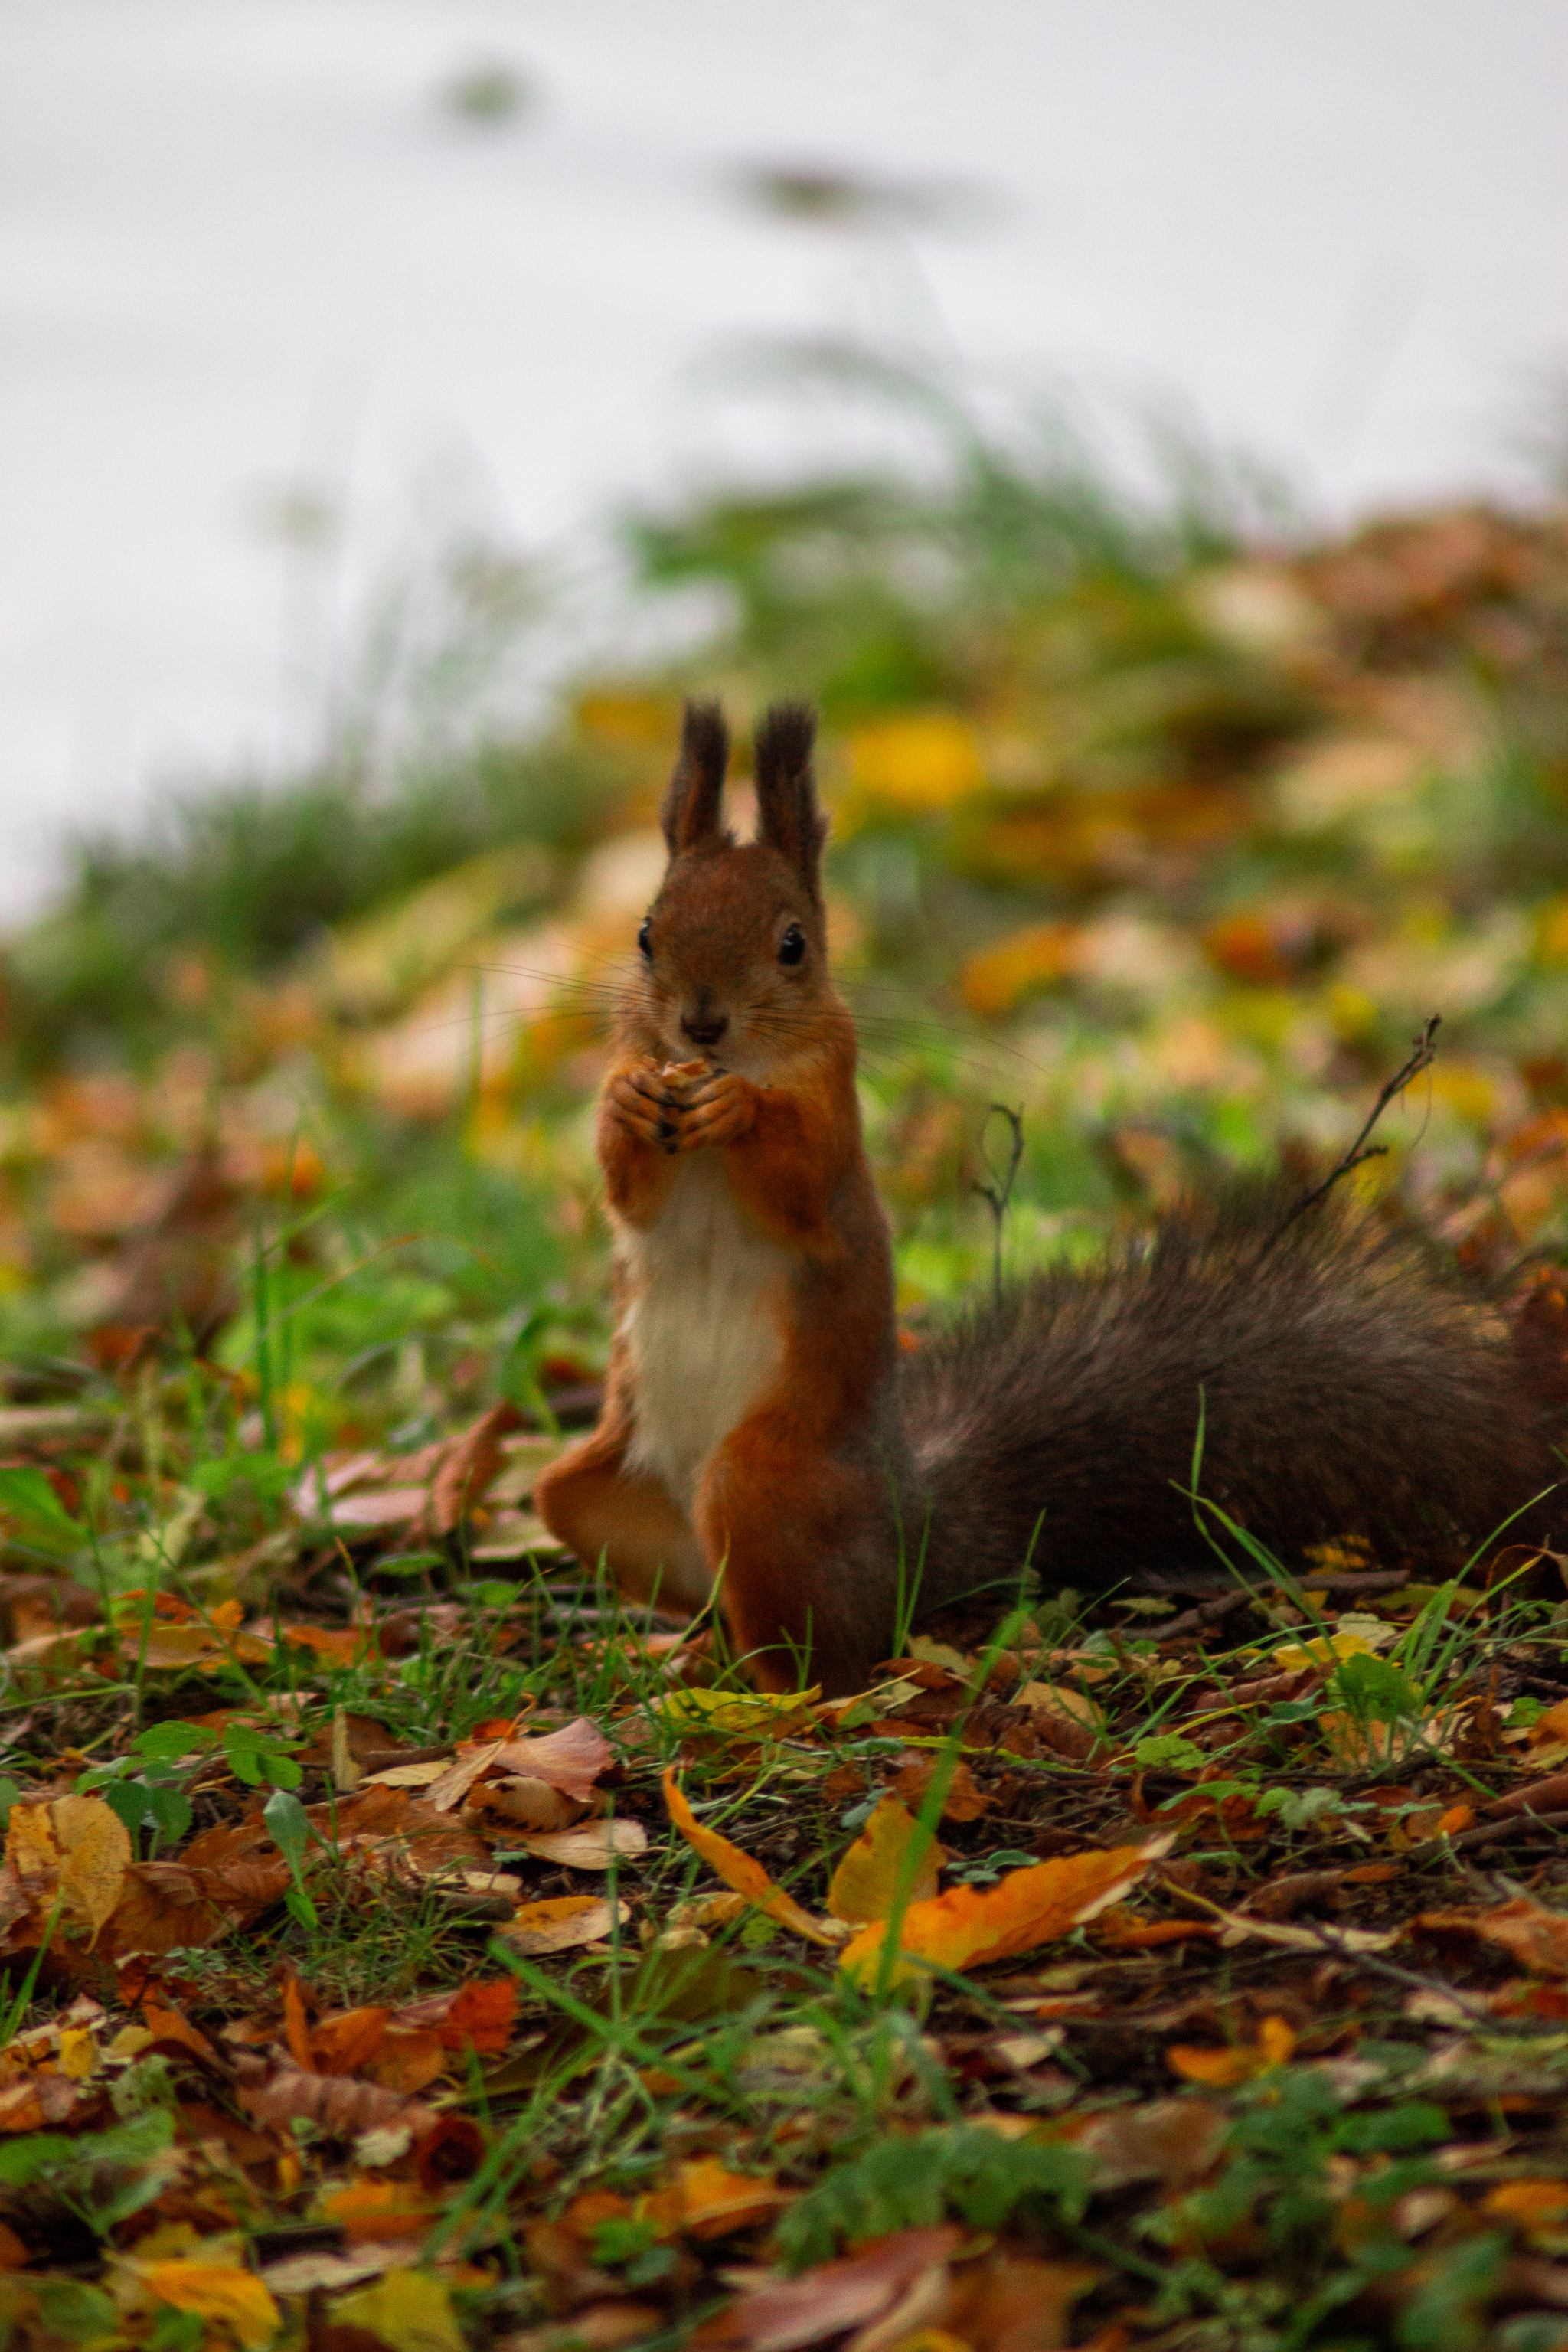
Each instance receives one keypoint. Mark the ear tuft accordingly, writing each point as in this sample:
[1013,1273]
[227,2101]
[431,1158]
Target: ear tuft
[789,819]
[692,804]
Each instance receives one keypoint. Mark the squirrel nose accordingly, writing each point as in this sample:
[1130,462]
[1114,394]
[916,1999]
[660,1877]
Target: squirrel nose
[707,1030]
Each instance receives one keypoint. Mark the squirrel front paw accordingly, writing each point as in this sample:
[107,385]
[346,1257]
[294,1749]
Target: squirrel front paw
[719,1110]
[639,1104]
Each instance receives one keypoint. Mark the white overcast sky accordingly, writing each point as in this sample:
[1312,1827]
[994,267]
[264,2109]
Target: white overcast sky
[243,246]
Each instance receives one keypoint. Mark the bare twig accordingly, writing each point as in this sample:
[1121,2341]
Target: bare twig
[1420,1057]
[998,1193]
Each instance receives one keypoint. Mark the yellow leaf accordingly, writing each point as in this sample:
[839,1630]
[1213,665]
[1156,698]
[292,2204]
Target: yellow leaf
[215,2291]
[409,2310]
[969,1925]
[738,1714]
[79,2052]
[1325,1652]
[95,1854]
[740,1871]
[927,762]
[867,1879]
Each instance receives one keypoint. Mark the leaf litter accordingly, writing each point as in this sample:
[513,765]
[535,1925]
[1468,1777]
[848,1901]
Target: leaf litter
[405,1942]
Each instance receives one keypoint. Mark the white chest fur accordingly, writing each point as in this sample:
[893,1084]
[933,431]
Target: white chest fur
[701,1324]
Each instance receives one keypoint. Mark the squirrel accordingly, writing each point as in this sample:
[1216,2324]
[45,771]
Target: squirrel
[1310,1375]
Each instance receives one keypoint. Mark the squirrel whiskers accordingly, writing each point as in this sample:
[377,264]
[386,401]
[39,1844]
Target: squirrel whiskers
[763,1431]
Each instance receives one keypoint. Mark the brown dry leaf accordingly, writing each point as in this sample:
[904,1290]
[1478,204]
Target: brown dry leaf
[593,1847]
[1536,1937]
[867,1880]
[407,2062]
[169,2025]
[1172,2141]
[468,1464]
[1013,2302]
[741,1872]
[970,1926]
[339,2104]
[966,1800]
[706,2200]
[789,2314]
[1220,2070]
[531,1804]
[558,1923]
[570,1759]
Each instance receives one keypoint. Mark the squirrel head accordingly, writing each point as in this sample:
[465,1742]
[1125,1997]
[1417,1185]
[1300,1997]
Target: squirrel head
[732,954]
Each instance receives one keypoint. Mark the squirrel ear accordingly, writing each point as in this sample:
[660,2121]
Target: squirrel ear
[692,804]
[788,817]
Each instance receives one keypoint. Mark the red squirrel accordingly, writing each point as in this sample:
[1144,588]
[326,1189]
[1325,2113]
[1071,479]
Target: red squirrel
[761,1429]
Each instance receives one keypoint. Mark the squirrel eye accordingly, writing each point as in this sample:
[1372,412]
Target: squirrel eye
[792,947]
[645,938]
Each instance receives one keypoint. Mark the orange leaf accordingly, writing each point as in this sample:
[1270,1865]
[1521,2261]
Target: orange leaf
[740,1871]
[168,2024]
[1221,2069]
[379,2210]
[295,2025]
[481,2017]
[1527,2204]
[346,2043]
[1536,1937]
[1552,1727]
[707,2201]
[969,1925]
[867,1878]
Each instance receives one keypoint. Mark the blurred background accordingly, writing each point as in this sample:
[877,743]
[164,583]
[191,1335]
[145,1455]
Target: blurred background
[1139,428]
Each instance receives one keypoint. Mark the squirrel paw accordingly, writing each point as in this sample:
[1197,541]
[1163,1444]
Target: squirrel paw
[639,1106]
[719,1111]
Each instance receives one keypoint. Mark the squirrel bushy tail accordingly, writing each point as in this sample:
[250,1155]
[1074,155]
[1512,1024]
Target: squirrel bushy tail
[1347,1382]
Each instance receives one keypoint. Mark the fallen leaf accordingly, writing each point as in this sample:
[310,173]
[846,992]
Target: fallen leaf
[468,1464]
[867,1879]
[571,1759]
[786,2315]
[1552,1727]
[593,1847]
[970,1926]
[558,1923]
[1527,2204]
[738,1714]
[741,1872]
[1220,2070]
[1016,2302]
[706,2200]
[1536,1937]
[215,2291]
[407,2310]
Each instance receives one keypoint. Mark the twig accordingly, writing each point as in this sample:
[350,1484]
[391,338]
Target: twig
[998,1193]
[1208,1612]
[1420,1057]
